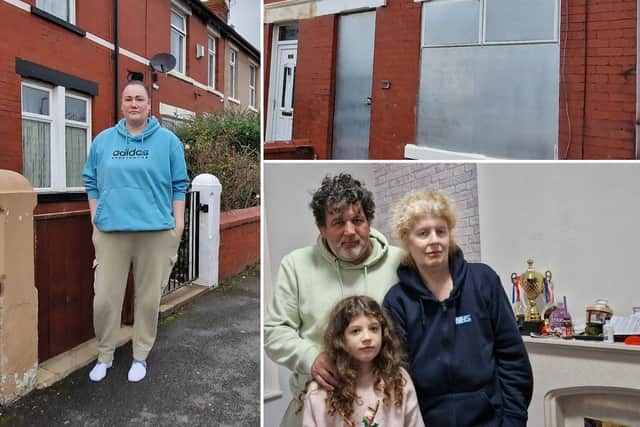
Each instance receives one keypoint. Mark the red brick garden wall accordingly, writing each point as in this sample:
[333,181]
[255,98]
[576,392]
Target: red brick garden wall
[239,241]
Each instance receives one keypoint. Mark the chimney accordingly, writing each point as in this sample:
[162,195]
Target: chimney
[219,8]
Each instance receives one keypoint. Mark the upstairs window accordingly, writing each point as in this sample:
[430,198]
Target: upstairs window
[233,56]
[63,9]
[252,86]
[179,39]
[211,64]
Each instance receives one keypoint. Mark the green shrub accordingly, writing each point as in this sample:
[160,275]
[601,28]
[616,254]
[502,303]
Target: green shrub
[226,145]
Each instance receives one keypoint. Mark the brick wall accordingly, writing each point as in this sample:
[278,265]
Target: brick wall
[598,38]
[36,40]
[239,241]
[397,59]
[219,8]
[315,83]
[459,181]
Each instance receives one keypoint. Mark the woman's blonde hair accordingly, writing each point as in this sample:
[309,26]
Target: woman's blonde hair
[416,205]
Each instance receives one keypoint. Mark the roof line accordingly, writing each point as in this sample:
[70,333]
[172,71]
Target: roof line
[211,18]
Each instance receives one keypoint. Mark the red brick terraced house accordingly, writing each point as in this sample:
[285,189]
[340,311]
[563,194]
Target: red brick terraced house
[64,63]
[451,79]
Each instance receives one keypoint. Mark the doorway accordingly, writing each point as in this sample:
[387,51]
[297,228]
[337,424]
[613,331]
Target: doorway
[354,72]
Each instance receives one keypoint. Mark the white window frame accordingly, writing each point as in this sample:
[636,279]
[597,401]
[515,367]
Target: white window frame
[183,40]
[71,4]
[253,72]
[233,73]
[211,61]
[58,122]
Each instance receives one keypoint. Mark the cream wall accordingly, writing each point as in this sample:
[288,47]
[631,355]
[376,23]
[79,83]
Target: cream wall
[578,220]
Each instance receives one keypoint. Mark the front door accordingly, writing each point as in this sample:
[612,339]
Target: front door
[282,85]
[354,69]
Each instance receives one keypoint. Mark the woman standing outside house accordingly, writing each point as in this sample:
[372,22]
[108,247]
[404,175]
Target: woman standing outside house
[136,180]
[467,359]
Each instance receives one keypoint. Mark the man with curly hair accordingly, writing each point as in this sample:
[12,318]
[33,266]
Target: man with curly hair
[349,258]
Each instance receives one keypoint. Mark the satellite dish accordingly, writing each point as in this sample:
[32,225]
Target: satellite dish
[162,62]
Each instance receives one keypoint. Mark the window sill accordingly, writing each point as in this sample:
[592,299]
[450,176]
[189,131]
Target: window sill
[195,83]
[254,109]
[54,19]
[235,101]
[213,90]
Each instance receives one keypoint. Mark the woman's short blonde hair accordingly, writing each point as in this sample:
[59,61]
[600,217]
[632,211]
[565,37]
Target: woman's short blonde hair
[416,205]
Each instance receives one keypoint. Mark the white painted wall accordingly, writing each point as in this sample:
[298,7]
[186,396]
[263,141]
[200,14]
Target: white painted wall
[578,220]
[581,222]
[290,225]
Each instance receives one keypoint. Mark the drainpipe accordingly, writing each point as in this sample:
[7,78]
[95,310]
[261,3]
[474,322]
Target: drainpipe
[116,62]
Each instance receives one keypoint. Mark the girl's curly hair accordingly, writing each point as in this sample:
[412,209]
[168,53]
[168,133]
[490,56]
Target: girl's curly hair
[387,364]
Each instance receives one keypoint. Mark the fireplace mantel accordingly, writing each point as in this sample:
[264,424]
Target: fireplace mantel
[560,366]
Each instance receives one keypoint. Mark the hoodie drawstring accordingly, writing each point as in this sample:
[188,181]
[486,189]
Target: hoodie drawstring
[336,263]
[366,272]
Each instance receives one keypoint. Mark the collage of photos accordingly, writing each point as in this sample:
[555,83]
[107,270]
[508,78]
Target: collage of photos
[449,213]
[319,213]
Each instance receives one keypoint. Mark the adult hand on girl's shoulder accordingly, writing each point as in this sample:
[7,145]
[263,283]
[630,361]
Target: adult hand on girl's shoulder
[323,372]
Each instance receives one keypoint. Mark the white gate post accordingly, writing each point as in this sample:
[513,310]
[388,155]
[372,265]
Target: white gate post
[209,235]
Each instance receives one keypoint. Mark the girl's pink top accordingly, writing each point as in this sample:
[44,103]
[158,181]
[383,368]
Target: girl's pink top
[387,415]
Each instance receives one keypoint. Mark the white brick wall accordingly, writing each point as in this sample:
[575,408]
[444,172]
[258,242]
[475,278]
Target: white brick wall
[458,180]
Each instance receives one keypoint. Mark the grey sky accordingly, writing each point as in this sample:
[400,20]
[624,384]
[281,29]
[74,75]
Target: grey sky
[245,17]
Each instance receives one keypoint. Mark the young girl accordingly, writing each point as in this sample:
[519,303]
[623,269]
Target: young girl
[373,389]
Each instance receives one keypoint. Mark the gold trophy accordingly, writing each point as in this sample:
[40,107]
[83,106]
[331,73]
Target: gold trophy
[532,285]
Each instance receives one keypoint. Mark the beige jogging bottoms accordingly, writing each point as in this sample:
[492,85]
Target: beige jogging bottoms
[151,255]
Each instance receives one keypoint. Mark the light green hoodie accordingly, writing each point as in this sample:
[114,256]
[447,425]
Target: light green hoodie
[310,283]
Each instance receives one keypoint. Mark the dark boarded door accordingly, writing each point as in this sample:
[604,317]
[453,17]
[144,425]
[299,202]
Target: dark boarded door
[64,279]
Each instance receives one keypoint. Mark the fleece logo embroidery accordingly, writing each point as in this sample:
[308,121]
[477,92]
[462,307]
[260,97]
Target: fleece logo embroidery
[463,319]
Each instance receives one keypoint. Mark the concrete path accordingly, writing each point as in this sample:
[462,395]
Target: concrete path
[204,370]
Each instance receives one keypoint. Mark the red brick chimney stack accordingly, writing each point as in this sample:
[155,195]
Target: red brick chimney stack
[219,8]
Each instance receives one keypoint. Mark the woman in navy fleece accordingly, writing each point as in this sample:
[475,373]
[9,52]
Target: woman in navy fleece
[467,359]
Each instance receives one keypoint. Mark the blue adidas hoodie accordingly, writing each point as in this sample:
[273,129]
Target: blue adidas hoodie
[467,359]
[135,178]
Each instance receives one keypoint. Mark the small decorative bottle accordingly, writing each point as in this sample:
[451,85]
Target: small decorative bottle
[519,311]
[567,328]
[607,331]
